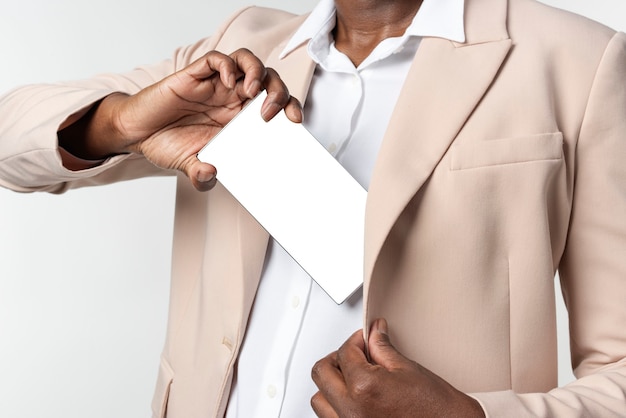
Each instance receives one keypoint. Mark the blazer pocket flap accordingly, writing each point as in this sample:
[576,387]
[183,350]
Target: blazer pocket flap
[161,394]
[507,151]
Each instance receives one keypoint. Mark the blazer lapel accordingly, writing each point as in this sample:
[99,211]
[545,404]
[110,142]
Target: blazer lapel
[295,69]
[444,85]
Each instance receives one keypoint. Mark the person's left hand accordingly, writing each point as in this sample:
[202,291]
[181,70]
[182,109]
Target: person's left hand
[389,386]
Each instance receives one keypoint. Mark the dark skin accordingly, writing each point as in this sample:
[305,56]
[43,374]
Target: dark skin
[363,24]
[385,384]
[170,121]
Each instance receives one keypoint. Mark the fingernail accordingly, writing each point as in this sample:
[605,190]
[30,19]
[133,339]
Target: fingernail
[205,177]
[269,109]
[301,118]
[381,326]
[231,81]
[254,88]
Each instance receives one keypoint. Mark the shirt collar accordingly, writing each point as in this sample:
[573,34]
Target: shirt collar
[435,18]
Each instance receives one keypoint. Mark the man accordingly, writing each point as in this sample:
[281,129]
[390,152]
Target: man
[487,133]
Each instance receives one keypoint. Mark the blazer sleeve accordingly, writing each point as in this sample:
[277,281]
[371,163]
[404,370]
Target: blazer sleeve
[32,116]
[593,267]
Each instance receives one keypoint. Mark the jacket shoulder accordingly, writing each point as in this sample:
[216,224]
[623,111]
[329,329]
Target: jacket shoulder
[259,29]
[554,26]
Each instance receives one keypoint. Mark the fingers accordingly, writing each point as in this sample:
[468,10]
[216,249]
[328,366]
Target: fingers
[338,375]
[253,70]
[257,77]
[243,71]
[293,110]
[202,175]
[278,98]
[352,360]
[326,373]
[328,377]
[378,340]
[380,349]
[273,105]
[322,407]
[212,63]
[209,92]
[240,66]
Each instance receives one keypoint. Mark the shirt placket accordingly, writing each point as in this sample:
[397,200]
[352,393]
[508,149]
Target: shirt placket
[293,308]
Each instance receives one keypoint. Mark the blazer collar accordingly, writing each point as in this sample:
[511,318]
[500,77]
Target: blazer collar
[294,66]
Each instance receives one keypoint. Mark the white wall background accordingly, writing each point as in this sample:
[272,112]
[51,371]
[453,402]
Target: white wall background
[84,276]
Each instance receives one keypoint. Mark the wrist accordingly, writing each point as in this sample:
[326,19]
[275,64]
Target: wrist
[106,133]
[97,134]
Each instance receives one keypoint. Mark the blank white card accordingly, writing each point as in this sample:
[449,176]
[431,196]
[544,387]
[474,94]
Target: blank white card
[297,191]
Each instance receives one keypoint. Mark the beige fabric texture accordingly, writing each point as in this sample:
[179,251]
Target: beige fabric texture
[502,163]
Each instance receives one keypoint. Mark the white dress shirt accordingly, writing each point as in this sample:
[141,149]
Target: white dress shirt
[293,322]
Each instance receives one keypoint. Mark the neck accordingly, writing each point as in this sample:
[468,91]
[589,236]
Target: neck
[363,24]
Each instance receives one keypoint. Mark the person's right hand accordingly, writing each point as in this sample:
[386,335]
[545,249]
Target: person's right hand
[170,121]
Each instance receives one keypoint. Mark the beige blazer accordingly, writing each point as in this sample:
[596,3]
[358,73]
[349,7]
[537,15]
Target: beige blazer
[503,162]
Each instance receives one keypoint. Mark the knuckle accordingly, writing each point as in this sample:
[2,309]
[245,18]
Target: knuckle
[317,368]
[363,388]
[242,51]
[342,355]
[315,400]
[316,403]
[272,75]
[244,55]
[214,54]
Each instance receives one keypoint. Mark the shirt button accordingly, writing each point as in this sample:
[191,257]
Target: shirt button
[332,148]
[355,80]
[271,391]
[295,302]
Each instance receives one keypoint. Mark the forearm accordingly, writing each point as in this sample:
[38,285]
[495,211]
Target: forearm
[30,158]
[34,116]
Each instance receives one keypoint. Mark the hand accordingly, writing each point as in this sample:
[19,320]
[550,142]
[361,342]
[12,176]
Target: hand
[389,386]
[170,121]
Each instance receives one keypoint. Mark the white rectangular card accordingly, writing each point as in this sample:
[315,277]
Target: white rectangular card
[297,191]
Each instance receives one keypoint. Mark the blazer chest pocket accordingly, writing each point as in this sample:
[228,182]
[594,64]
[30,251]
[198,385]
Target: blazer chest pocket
[542,147]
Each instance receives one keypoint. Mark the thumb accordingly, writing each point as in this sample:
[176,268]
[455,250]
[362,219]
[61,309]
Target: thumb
[381,351]
[202,175]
